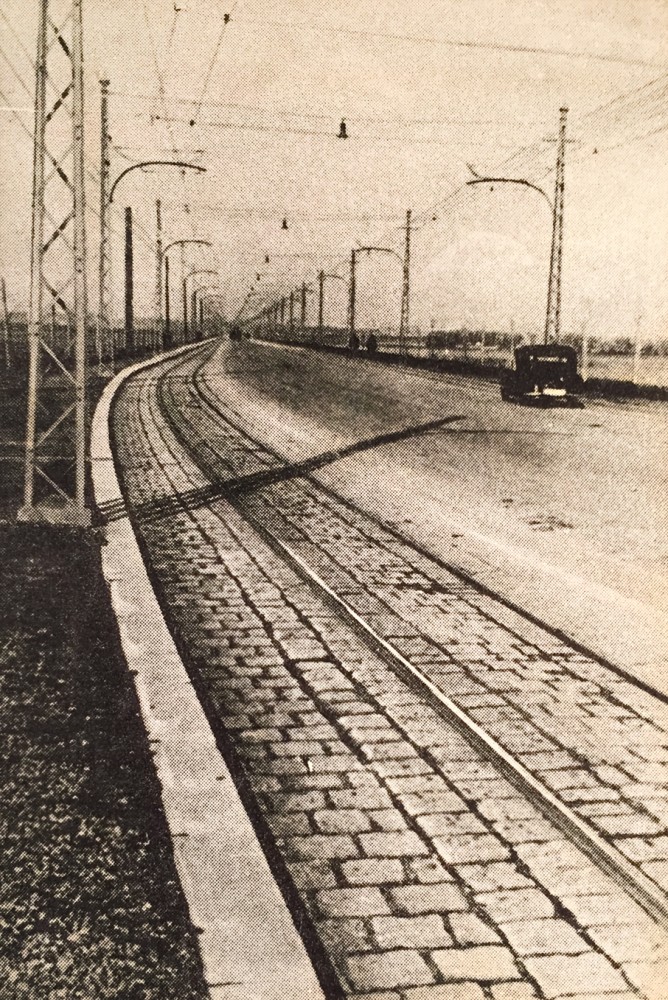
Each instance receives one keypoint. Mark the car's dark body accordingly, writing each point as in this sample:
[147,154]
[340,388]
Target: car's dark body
[543,373]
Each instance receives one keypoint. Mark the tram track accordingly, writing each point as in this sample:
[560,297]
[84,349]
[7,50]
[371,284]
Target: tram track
[602,851]
[163,406]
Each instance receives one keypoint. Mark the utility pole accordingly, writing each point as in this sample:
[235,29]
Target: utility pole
[292,312]
[57,441]
[201,318]
[193,313]
[303,308]
[584,356]
[167,340]
[105,339]
[406,290]
[553,314]
[321,305]
[184,296]
[5,323]
[129,284]
[351,300]
[159,324]
[637,350]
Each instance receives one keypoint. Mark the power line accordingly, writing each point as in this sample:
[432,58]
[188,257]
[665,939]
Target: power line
[452,42]
[163,98]
[214,58]
[292,130]
[396,120]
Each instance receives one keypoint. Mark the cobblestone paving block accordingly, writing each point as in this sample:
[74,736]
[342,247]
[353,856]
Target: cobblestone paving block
[312,874]
[345,935]
[513,991]
[560,975]
[388,969]
[470,848]
[462,991]
[400,844]
[428,870]
[434,898]
[427,931]
[543,937]
[374,871]
[362,901]
[483,964]
[468,928]
[503,906]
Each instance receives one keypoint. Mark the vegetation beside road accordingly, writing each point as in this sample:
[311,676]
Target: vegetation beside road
[90,902]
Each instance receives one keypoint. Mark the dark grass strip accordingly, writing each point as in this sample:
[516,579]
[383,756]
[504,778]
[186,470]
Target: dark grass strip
[90,903]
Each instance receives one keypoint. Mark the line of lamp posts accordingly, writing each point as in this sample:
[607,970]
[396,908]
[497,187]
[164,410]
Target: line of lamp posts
[165,332]
[161,335]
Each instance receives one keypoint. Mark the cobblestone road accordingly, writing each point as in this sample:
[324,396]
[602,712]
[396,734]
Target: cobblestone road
[414,867]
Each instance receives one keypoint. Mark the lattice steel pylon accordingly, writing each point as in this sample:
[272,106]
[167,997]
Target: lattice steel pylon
[553,312]
[55,465]
[404,322]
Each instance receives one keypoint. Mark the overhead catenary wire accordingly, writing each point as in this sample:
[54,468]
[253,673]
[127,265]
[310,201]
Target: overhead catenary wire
[529,50]
[210,68]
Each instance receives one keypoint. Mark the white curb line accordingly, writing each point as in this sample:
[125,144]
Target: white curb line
[249,945]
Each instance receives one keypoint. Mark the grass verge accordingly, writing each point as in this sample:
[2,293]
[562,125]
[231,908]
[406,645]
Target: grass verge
[90,903]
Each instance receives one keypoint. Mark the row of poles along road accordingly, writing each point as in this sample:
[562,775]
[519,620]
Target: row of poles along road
[56,428]
[272,316]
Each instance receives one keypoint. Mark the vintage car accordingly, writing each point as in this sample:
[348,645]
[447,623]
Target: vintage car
[543,373]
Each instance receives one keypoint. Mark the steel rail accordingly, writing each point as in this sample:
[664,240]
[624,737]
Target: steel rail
[608,858]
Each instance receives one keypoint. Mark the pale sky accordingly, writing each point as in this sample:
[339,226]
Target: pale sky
[425,88]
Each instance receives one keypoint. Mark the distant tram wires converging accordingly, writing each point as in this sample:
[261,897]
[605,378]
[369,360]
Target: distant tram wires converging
[214,58]
[162,94]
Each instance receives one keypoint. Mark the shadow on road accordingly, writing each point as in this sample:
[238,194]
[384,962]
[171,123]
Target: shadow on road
[192,499]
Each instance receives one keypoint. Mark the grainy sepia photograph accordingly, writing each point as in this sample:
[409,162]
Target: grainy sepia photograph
[334,500]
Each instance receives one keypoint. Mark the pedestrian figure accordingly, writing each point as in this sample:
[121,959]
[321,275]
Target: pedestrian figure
[353,343]
[371,343]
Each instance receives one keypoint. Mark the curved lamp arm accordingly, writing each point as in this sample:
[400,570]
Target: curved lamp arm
[193,274]
[512,180]
[379,250]
[180,243]
[153,163]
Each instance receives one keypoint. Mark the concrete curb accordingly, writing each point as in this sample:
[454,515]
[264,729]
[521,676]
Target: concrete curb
[250,947]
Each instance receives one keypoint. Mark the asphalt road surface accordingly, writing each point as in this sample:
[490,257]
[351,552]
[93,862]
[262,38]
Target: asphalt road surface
[561,511]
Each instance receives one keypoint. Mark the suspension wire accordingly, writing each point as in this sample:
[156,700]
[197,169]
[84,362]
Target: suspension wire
[209,73]
[453,43]
[162,93]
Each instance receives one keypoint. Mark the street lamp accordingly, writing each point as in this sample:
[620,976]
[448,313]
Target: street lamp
[175,243]
[321,299]
[553,310]
[104,319]
[212,292]
[353,285]
[153,163]
[193,309]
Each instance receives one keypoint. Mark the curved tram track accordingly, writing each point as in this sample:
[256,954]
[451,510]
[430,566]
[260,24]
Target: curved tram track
[429,820]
